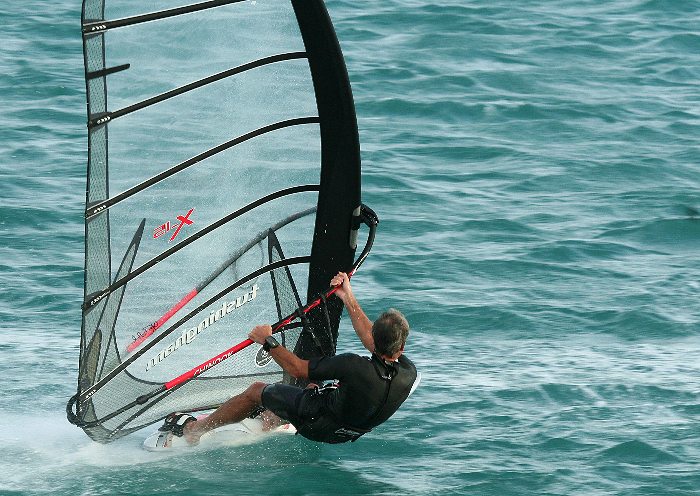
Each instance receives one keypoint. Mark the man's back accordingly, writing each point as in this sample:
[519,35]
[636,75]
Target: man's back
[370,390]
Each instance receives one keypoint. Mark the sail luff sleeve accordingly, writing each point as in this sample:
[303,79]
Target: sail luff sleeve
[339,194]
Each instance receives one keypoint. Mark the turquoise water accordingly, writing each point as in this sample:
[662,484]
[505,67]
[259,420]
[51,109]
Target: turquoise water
[535,166]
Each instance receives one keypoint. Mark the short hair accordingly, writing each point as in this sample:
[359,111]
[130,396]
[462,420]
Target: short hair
[389,332]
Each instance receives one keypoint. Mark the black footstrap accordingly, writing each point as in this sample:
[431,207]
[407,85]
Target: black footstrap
[176,422]
[257,411]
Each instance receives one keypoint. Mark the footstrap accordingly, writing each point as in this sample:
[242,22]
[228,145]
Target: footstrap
[176,422]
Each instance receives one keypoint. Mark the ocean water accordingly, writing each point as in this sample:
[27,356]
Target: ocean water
[536,168]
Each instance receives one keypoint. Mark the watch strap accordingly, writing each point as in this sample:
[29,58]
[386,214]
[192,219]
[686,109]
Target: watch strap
[270,343]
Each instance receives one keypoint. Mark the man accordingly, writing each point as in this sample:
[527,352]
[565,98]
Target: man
[370,390]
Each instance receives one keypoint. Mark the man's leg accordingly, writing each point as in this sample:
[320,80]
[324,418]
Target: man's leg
[234,410]
[270,420]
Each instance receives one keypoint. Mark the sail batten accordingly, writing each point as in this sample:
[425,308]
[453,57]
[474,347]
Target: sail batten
[106,72]
[96,26]
[100,119]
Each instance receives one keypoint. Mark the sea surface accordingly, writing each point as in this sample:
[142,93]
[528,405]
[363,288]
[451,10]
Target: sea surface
[536,168]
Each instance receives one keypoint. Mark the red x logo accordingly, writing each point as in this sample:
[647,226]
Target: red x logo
[183,220]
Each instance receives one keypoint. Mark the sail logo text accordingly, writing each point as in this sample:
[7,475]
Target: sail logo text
[262,357]
[165,228]
[191,334]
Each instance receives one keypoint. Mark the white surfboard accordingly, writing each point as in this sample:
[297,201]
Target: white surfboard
[415,384]
[245,432]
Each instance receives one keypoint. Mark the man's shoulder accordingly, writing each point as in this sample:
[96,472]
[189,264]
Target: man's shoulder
[403,359]
[337,364]
[348,358]
[406,363]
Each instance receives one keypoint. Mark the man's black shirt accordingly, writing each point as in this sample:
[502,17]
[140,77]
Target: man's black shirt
[370,390]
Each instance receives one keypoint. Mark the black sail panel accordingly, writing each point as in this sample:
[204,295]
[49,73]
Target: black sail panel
[340,173]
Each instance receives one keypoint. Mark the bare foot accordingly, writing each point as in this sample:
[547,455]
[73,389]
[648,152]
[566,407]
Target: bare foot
[191,433]
[270,420]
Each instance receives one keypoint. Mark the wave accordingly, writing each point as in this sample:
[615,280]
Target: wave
[666,235]
[638,452]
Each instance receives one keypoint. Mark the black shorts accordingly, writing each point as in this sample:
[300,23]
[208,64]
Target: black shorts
[291,403]
[305,409]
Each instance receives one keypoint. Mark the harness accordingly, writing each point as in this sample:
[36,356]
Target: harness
[327,428]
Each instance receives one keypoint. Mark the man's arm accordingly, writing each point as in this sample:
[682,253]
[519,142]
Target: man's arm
[360,322]
[291,363]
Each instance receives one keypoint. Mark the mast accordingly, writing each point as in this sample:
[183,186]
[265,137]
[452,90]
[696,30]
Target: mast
[339,195]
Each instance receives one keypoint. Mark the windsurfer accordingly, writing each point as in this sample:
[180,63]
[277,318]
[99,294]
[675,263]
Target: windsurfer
[369,390]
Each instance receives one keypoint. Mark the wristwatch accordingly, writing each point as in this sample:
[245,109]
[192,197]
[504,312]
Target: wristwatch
[270,343]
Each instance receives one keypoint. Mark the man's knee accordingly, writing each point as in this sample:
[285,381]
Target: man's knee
[254,392]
